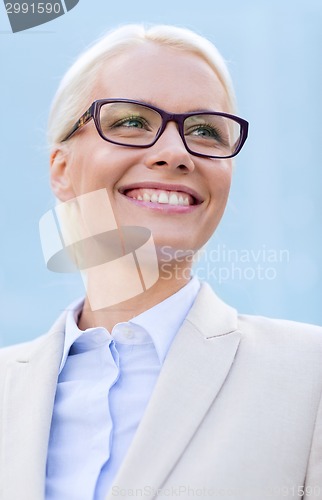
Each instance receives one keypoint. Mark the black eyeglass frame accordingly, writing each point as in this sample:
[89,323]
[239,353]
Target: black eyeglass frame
[93,112]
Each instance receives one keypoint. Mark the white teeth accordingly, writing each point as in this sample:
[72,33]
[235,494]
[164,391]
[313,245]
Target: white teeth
[163,198]
[173,199]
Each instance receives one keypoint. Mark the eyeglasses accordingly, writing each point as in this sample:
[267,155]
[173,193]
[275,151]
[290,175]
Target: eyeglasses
[135,124]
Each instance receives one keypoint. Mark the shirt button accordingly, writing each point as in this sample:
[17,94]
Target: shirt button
[128,334]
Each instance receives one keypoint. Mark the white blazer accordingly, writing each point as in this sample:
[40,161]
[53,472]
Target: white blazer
[236,413]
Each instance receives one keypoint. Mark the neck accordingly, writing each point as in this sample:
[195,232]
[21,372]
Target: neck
[176,277]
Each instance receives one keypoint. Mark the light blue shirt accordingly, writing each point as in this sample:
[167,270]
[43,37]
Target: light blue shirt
[104,385]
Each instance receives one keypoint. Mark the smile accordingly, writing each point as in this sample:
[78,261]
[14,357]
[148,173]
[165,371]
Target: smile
[161,196]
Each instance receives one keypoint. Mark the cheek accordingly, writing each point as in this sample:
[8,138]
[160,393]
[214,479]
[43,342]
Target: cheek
[220,182]
[96,168]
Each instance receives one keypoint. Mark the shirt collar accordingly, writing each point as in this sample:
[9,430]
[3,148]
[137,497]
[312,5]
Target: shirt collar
[161,321]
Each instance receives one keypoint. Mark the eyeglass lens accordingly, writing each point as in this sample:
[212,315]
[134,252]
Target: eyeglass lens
[136,124]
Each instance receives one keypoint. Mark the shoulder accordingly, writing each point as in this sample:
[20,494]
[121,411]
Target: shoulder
[259,336]
[16,350]
[283,350]
[276,330]
[210,309]
[26,350]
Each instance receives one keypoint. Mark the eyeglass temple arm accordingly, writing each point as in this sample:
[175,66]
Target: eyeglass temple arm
[80,123]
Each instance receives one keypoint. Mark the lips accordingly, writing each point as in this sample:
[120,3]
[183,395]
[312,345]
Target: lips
[160,196]
[163,194]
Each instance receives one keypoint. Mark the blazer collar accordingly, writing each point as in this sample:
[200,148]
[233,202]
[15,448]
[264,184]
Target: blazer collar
[193,373]
[29,392]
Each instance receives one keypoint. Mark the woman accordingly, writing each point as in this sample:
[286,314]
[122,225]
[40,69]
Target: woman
[157,389]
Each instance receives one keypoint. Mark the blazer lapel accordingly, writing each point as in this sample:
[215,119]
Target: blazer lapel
[194,371]
[30,388]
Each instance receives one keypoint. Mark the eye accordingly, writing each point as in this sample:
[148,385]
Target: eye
[205,131]
[132,122]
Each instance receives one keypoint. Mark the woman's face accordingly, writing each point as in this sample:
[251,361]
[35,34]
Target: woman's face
[176,82]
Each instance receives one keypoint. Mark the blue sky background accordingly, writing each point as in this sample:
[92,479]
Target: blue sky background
[274,52]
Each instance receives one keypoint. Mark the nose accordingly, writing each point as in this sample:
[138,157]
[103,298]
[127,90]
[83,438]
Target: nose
[169,152]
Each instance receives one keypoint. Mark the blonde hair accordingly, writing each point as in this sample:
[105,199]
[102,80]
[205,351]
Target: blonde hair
[74,92]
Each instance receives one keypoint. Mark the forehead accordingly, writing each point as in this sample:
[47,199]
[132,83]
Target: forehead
[175,80]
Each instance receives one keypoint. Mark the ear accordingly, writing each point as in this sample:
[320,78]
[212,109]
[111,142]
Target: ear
[60,179]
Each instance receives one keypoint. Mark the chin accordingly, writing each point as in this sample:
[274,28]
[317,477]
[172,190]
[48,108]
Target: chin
[175,248]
